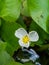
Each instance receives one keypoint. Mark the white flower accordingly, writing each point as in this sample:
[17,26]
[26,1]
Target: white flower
[25,38]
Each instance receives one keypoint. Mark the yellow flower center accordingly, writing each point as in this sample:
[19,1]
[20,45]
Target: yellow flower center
[25,39]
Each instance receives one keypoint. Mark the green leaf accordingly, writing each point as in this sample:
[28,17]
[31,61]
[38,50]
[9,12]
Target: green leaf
[8,34]
[10,9]
[2,45]
[39,11]
[24,10]
[6,59]
[0,22]
[0,26]
[28,63]
[14,63]
[43,36]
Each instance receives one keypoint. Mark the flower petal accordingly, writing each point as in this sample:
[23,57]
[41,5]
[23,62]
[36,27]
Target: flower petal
[20,32]
[25,60]
[33,35]
[23,44]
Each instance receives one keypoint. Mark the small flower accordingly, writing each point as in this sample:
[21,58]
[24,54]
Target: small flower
[25,38]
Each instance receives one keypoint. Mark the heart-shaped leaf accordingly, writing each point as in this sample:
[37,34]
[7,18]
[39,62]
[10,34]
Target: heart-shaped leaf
[39,11]
[6,59]
[8,34]
[43,36]
[10,9]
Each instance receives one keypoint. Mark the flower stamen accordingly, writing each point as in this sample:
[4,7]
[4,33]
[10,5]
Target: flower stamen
[25,39]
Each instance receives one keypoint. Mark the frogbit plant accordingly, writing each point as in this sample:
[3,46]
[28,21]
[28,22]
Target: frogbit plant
[25,38]
[17,16]
[24,42]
